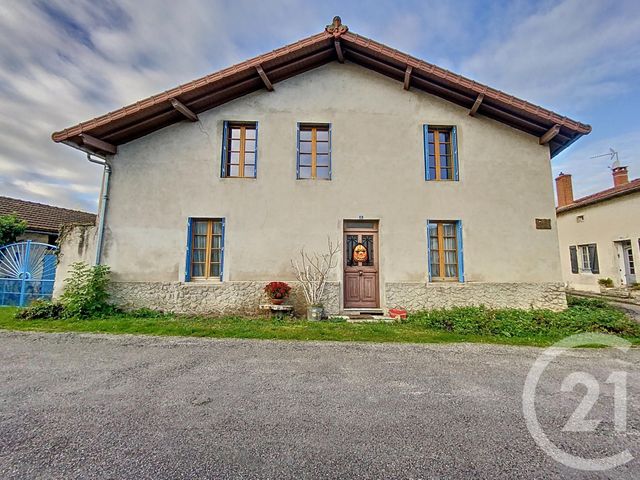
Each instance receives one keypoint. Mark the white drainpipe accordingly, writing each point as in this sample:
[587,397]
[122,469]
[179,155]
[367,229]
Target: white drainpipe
[103,204]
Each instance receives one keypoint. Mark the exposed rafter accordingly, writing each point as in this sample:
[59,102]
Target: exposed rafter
[180,107]
[98,144]
[407,77]
[476,104]
[338,47]
[550,135]
[265,79]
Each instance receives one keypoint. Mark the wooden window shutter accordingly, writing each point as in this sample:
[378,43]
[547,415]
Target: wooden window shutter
[454,147]
[298,151]
[222,221]
[225,141]
[593,258]
[187,272]
[573,254]
[428,252]
[425,134]
[460,257]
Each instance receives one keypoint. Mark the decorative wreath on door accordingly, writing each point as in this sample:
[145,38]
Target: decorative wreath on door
[360,253]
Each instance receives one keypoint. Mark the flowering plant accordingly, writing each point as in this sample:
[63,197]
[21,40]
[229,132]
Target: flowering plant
[277,289]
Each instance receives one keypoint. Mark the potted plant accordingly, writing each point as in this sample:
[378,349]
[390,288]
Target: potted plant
[277,292]
[312,272]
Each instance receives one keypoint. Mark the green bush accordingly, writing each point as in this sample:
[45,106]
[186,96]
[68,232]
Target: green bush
[40,309]
[85,291]
[606,282]
[584,315]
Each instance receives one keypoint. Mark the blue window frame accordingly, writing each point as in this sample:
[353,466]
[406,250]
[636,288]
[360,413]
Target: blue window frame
[239,150]
[440,153]
[205,249]
[444,250]
[313,146]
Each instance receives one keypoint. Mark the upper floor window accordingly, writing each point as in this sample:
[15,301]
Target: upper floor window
[205,249]
[239,151]
[441,153]
[445,250]
[314,151]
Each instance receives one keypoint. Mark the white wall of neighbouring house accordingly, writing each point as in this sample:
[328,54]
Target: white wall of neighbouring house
[604,224]
[162,179]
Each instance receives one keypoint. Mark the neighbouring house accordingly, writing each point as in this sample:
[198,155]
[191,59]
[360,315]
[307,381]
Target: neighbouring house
[438,188]
[599,234]
[43,221]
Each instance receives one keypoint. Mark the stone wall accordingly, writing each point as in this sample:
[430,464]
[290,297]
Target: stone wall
[421,296]
[211,298]
[243,298]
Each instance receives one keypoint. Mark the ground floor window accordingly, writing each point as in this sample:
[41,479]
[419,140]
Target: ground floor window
[584,258]
[445,250]
[206,248]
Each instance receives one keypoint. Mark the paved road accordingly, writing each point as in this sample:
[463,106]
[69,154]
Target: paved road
[98,406]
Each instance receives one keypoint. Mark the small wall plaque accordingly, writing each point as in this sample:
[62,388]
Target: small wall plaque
[543,224]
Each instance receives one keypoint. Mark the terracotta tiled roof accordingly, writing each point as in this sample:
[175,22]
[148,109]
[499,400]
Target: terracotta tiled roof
[155,112]
[608,194]
[41,217]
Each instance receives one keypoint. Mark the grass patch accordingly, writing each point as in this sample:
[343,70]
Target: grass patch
[468,324]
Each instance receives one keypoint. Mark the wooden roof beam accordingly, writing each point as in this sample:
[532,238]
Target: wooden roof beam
[180,107]
[407,77]
[550,135]
[265,79]
[338,47]
[98,144]
[476,104]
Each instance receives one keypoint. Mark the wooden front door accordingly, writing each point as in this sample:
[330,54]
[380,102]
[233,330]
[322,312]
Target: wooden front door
[361,265]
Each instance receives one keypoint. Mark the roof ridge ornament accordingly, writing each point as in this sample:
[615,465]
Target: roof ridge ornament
[336,28]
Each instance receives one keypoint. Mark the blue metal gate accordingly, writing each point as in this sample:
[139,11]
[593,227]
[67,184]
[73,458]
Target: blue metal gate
[27,272]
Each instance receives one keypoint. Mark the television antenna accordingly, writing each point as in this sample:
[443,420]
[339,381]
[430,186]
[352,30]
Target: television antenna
[613,156]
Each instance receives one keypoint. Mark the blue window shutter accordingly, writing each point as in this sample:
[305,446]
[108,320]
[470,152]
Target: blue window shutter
[298,152]
[187,271]
[454,141]
[460,251]
[425,132]
[222,248]
[330,168]
[225,133]
[428,251]
[255,169]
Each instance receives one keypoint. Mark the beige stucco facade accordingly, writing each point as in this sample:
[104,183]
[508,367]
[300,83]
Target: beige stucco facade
[605,224]
[161,180]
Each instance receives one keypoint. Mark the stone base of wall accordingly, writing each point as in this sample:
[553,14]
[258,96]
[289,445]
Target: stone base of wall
[211,298]
[421,296]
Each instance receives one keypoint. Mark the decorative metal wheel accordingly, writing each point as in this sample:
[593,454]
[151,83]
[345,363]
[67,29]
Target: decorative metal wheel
[27,272]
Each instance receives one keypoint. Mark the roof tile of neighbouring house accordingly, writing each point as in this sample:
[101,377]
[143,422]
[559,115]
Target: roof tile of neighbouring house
[41,217]
[335,43]
[608,194]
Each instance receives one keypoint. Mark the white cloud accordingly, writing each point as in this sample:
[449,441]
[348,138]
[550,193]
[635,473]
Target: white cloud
[567,56]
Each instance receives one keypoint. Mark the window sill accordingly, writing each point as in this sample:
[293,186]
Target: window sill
[203,281]
[445,280]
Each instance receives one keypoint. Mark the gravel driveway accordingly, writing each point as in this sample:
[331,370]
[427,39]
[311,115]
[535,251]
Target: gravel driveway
[99,406]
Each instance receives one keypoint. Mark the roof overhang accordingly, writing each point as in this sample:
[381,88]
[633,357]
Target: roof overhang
[103,134]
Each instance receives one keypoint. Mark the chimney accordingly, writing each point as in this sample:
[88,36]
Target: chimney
[620,176]
[564,189]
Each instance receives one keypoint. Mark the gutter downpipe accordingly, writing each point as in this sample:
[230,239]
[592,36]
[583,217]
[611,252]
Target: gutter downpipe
[103,204]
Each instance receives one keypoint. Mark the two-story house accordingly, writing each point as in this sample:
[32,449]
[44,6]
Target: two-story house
[441,184]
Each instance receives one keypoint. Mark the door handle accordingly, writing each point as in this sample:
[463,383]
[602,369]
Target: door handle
[360,272]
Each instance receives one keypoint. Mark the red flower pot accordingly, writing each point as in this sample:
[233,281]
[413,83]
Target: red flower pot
[277,301]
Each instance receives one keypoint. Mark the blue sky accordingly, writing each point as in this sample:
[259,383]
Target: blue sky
[62,62]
